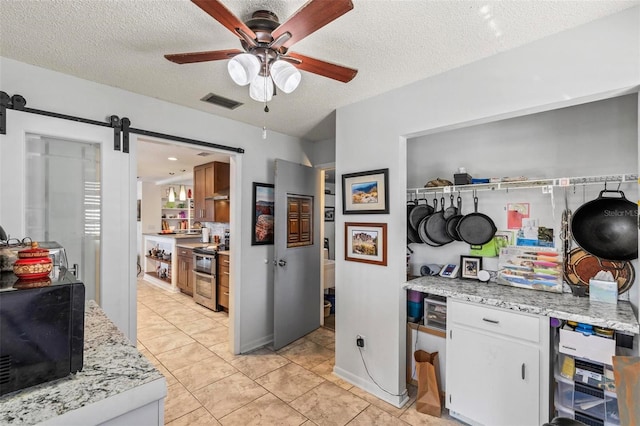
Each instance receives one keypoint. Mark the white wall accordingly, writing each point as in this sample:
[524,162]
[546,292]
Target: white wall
[324,151]
[598,57]
[252,279]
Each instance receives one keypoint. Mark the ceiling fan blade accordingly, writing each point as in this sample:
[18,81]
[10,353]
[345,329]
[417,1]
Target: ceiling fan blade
[212,55]
[314,15]
[323,68]
[220,13]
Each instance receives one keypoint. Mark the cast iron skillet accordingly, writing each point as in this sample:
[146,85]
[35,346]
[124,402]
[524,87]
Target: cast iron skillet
[607,227]
[422,228]
[476,228]
[451,210]
[419,212]
[452,222]
[412,235]
[436,226]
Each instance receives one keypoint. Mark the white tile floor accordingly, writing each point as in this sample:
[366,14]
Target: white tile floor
[207,385]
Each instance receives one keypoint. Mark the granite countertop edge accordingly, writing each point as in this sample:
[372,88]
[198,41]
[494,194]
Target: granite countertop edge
[564,306]
[172,236]
[112,365]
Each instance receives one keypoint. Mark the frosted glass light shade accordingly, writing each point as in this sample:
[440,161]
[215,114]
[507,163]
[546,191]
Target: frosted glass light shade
[286,76]
[261,89]
[243,68]
[183,193]
[172,195]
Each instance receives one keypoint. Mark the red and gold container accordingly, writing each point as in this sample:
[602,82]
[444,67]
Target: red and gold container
[33,263]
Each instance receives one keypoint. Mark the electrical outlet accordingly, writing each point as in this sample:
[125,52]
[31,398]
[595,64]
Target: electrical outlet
[360,341]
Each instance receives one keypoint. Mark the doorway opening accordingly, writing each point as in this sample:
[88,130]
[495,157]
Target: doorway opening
[328,257]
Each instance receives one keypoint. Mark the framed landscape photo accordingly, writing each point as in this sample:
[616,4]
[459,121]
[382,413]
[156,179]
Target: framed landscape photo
[470,266]
[366,242]
[262,218]
[365,192]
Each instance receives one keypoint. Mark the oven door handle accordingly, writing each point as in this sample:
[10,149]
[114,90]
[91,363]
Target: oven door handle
[203,275]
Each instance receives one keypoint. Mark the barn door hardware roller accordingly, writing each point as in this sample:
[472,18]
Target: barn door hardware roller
[13,102]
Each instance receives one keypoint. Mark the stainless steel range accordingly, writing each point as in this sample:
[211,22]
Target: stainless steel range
[205,262]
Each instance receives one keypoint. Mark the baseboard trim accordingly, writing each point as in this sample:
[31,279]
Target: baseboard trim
[366,385]
[256,344]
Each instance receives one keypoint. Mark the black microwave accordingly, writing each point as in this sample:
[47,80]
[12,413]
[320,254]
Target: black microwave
[41,331]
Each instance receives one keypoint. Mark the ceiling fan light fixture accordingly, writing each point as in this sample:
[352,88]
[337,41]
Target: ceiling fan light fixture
[261,89]
[285,76]
[243,68]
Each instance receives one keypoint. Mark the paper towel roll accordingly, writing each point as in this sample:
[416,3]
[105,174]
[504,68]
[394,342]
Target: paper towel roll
[205,235]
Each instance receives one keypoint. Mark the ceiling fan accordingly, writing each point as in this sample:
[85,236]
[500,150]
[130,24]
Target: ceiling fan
[266,61]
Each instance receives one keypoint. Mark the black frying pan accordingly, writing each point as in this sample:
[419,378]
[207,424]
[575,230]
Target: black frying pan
[436,226]
[451,210]
[419,212]
[607,227]
[476,228]
[422,228]
[452,222]
[412,235]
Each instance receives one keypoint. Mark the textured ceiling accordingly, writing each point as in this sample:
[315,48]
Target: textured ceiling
[391,42]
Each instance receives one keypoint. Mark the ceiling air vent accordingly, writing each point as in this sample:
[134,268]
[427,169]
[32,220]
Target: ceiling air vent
[221,101]
[204,154]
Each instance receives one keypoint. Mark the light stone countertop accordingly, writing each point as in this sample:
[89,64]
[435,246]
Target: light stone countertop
[173,236]
[563,306]
[112,365]
[193,245]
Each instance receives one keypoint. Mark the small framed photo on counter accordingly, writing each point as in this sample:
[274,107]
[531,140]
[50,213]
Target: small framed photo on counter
[470,266]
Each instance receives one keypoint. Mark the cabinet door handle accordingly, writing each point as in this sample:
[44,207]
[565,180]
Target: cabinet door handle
[225,261]
[226,273]
[490,321]
[226,293]
[523,371]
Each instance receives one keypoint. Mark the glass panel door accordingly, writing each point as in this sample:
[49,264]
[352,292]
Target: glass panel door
[63,202]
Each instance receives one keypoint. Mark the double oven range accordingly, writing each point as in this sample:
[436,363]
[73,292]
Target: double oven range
[205,269]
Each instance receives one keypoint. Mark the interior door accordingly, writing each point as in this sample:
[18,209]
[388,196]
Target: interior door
[298,244]
[64,180]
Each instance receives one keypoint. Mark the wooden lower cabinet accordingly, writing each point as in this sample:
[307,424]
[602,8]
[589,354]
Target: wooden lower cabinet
[184,270]
[223,281]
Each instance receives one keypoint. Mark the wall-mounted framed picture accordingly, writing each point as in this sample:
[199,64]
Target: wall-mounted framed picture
[262,220]
[470,266]
[366,242]
[366,192]
[329,213]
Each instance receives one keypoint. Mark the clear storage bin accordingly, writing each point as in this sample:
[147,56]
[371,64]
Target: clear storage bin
[435,314]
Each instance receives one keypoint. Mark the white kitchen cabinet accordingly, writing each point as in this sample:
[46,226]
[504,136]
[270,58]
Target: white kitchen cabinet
[496,361]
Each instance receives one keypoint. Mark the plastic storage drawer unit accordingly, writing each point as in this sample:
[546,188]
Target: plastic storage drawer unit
[587,400]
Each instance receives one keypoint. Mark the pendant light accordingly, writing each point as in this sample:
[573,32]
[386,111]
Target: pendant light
[172,195]
[183,193]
